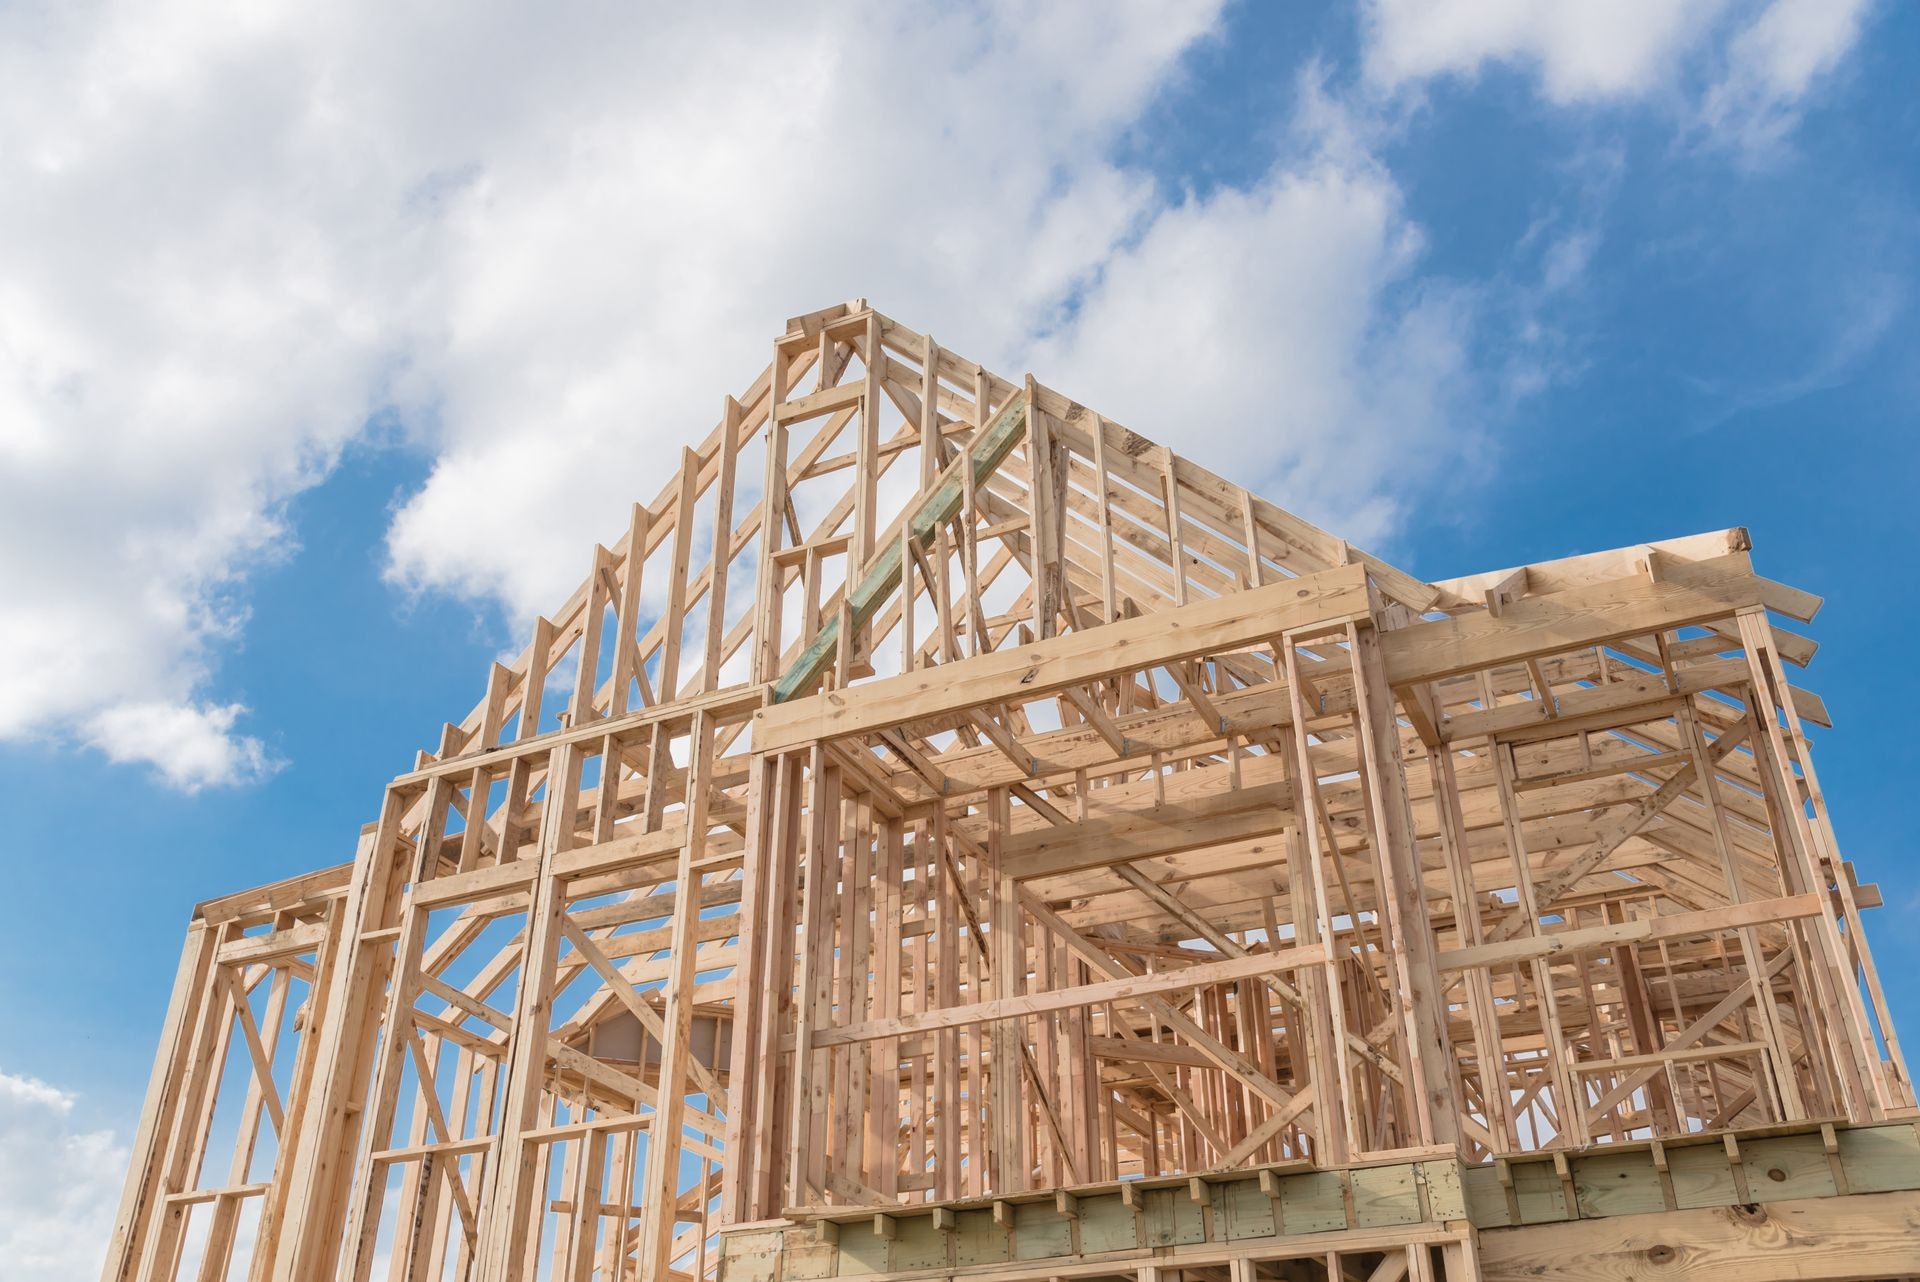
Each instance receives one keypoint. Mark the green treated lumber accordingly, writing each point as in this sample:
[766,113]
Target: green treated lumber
[984,454]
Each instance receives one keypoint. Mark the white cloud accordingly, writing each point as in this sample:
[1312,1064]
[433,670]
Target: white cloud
[1774,62]
[59,1185]
[548,241]
[191,747]
[190,326]
[1282,331]
[1285,320]
[598,297]
[1582,50]
[1739,68]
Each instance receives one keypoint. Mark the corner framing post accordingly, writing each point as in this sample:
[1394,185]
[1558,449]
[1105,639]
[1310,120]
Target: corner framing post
[1336,1136]
[747,1095]
[513,1162]
[1410,937]
[1862,1086]
[146,1190]
[321,1177]
[660,1197]
[813,983]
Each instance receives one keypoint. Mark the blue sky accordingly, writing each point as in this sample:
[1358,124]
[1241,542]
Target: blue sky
[329,342]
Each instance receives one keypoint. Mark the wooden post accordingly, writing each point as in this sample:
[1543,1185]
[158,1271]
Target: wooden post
[661,1191]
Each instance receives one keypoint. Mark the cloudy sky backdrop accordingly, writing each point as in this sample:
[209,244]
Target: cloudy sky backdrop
[332,336]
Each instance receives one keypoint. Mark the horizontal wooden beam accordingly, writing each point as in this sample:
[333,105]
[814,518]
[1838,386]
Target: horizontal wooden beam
[1677,926]
[273,947]
[614,855]
[1824,1239]
[1252,966]
[276,896]
[1216,625]
[1197,823]
[1582,569]
[1592,615]
[722,706]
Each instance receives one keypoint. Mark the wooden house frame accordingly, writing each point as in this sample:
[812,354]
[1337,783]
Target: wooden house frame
[947,835]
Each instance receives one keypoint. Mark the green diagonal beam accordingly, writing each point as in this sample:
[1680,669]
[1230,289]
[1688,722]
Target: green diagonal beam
[984,453]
